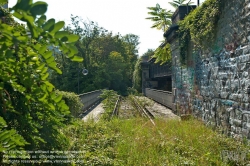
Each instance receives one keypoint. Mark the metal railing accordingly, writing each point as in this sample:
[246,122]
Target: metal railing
[89,99]
[163,97]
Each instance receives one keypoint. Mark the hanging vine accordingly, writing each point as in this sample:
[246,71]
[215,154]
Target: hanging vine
[199,26]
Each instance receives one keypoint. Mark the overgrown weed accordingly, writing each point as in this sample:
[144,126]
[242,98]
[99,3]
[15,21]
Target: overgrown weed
[137,142]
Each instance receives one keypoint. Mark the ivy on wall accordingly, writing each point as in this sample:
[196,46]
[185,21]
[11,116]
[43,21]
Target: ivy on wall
[199,26]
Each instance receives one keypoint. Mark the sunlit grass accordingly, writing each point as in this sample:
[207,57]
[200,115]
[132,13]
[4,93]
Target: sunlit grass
[138,142]
[171,142]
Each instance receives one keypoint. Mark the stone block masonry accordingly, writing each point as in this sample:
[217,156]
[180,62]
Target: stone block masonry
[215,84]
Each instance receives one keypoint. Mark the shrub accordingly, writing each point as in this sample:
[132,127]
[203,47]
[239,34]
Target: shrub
[73,101]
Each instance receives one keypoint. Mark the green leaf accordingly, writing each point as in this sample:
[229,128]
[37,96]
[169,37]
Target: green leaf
[42,49]
[28,18]
[77,59]
[35,59]
[57,27]
[72,38]
[41,20]
[22,38]
[38,8]
[52,65]
[64,39]
[52,106]
[32,29]
[2,122]
[73,49]
[44,77]
[41,66]
[50,60]
[37,46]
[63,105]
[43,98]
[49,85]
[48,24]
[47,55]
[23,5]
[58,70]
[61,34]
[44,70]
[58,98]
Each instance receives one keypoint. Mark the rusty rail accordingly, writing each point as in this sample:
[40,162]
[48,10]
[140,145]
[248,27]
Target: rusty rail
[144,111]
[115,110]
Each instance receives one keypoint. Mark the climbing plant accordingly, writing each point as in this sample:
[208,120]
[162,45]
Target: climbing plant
[163,54]
[199,26]
[31,112]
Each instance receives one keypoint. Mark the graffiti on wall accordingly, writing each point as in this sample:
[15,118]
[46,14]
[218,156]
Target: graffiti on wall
[217,88]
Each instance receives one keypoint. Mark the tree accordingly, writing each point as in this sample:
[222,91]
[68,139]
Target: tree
[160,17]
[137,71]
[110,59]
[177,3]
[31,112]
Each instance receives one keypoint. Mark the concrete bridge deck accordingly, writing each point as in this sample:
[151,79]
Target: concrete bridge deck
[94,114]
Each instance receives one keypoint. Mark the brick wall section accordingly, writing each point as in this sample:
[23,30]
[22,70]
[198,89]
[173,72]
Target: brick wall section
[215,85]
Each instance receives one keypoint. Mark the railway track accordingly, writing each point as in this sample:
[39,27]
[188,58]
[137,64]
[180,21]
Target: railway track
[115,110]
[130,107]
[143,110]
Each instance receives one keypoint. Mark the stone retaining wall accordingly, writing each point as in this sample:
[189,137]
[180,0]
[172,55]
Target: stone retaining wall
[215,84]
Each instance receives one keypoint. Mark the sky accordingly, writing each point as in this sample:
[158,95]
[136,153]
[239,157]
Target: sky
[123,16]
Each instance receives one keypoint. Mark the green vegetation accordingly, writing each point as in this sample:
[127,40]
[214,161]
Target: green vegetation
[177,3]
[73,102]
[109,99]
[36,116]
[199,26]
[96,141]
[162,20]
[109,58]
[137,74]
[163,54]
[31,112]
[160,17]
[137,142]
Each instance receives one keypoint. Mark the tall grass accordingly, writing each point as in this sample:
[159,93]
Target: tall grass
[172,142]
[137,142]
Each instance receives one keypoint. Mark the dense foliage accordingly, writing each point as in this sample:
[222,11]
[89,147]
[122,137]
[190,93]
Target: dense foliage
[109,58]
[109,98]
[137,80]
[31,112]
[73,102]
[162,20]
[163,54]
[137,74]
[199,26]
